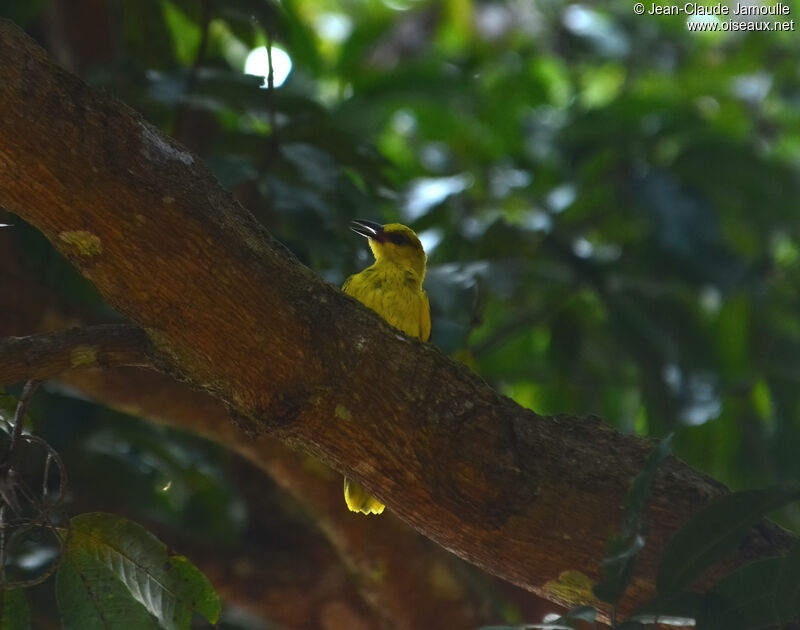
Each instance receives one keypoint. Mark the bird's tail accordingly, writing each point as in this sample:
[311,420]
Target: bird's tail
[359,500]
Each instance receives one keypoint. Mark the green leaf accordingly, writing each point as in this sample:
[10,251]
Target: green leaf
[715,532]
[621,551]
[15,614]
[758,595]
[168,587]
[90,597]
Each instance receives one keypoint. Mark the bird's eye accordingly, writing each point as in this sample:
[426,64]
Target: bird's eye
[398,239]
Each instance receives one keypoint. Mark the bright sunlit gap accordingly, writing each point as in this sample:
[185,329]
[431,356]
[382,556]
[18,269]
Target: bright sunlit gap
[430,239]
[257,64]
[427,192]
[334,27]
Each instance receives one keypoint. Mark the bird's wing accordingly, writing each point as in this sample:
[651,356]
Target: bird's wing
[424,317]
[346,286]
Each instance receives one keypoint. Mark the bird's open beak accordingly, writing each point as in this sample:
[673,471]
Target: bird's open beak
[370,229]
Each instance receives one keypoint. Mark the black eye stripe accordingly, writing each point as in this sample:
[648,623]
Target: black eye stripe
[398,239]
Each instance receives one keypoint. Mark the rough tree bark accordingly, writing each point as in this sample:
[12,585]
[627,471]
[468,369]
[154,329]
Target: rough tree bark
[525,497]
[389,563]
[393,564]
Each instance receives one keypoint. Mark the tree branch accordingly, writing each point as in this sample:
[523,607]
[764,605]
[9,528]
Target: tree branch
[445,590]
[524,496]
[49,354]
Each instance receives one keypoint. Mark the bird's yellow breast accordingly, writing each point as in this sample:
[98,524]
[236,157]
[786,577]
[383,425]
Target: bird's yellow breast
[396,294]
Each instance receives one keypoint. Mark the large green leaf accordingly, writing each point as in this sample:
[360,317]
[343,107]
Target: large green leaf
[91,597]
[14,611]
[715,532]
[759,595]
[112,566]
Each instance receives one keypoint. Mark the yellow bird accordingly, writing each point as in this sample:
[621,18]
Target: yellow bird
[392,287]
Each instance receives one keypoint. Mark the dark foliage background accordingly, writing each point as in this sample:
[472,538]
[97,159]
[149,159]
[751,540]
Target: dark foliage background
[609,203]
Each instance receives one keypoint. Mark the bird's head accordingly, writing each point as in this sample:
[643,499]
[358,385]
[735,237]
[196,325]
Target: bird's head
[393,242]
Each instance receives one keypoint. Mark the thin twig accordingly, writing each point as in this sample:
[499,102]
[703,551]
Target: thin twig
[52,455]
[10,532]
[50,570]
[2,543]
[272,116]
[270,86]
[47,461]
[19,417]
